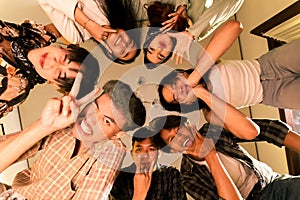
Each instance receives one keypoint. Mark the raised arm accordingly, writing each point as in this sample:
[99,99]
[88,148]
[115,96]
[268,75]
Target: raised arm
[213,16]
[224,114]
[72,17]
[220,42]
[56,115]
[205,149]
[225,186]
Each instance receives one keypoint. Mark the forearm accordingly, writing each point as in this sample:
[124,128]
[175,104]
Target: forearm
[223,39]
[292,141]
[235,121]
[220,42]
[139,196]
[225,186]
[61,14]
[19,143]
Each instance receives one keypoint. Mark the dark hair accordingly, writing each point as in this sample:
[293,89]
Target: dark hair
[89,67]
[141,134]
[159,12]
[183,108]
[127,102]
[118,60]
[165,122]
[151,34]
[121,16]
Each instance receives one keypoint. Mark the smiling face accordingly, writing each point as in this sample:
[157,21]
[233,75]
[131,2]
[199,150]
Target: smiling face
[176,92]
[144,153]
[52,63]
[98,121]
[121,45]
[179,138]
[159,48]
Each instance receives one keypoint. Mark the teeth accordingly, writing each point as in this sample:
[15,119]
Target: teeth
[85,127]
[186,142]
[118,40]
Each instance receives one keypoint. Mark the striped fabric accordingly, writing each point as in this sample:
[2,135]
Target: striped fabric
[58,175]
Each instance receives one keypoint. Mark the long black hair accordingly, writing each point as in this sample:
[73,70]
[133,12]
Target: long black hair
[151,34]
[183,108]
[121,16]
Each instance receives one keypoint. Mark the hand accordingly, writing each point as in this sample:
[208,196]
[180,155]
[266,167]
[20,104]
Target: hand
[170,23]
[98,31]
[191,97]
[61,112]
[184,40]
[202,146]
[142,181]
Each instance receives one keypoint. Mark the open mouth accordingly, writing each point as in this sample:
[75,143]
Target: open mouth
[187,143]
[85,128]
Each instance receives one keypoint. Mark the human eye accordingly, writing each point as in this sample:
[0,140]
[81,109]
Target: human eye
[107,121]
[62,75]
[150,49]
[66,59]
[138,149]
[161,57]
[152,149]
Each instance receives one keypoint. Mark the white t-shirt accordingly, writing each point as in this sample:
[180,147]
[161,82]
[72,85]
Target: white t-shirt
[237,82]
[242,176]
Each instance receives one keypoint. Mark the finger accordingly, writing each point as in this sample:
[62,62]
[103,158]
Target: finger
[167,22]
[172,14]
[76,85]
[109,30]
[166,30]
[188,55]
[173,56]
[66,110]
[90,96]
[177,59]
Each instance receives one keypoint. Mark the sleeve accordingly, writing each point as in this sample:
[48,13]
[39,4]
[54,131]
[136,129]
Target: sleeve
[102,174]
[30,152]
[61,13]
[197,182]
[117,189]
[181,3]
[213,17]
[176,189]
[272,131]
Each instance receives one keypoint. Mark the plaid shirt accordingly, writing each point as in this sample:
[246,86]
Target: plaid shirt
[165,184]
[197,179]
[58,175]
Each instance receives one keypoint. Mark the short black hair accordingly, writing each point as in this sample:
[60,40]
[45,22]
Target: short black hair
[89,67]
[143,133]
[165,122]
[127,102]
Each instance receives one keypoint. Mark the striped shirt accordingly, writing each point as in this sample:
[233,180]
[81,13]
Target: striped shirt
[58,175]
[197,179]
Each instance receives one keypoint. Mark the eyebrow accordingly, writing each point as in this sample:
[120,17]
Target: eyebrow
[111,119]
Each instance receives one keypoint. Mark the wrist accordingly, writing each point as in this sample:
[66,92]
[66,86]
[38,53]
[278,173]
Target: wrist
[86,23]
